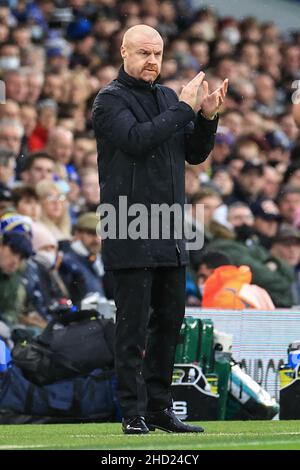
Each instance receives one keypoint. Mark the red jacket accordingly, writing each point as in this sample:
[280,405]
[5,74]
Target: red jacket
[38,139]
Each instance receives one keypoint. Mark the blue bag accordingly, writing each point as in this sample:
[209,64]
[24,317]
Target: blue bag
[82,399]
[5,357]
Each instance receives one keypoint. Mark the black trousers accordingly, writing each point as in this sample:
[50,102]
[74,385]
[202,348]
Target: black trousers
[150,310]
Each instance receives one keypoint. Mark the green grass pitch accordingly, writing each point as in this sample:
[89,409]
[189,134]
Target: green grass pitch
[223,435]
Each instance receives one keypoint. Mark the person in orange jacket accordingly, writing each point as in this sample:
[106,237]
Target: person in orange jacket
[229,287]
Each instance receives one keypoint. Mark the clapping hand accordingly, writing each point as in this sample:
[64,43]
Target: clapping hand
[190,92]
[210,103]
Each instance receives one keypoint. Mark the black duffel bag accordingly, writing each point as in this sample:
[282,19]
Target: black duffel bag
[72,345]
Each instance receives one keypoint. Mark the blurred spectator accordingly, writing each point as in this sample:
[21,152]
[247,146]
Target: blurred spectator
[60,146]
[83,144]
[90,190]
[266,222]
[11,133]
[224,182]
[26,202]
[288,202]
[272,181]
[204,206]
[5,199]
[7,166]
[54,213]
[14,248]
[41,278]
[267,103]
[46,121]
[202,268]
[35,81]
[38,166]
[223,147]
[241,219]
[289,126]
[82,268]
[249,183]
[192,183]
[10,110]
[286,246]
[90,160]
[229,287]
[292,175]
[16,85]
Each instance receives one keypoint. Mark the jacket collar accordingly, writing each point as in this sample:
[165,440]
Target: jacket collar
[132,82]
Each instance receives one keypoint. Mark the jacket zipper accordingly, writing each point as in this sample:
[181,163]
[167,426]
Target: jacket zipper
[178,251]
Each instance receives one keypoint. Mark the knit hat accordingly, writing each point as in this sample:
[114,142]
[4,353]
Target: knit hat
[41,236]
[13,222]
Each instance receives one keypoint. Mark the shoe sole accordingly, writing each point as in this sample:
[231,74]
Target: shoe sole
[135,432]
[153,428]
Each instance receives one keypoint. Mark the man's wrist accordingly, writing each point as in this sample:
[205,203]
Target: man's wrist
[209,118]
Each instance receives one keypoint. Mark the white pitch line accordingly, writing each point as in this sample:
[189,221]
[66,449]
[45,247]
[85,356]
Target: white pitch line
[9,446]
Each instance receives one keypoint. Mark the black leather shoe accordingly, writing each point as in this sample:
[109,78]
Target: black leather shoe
[134,425]
[166,420]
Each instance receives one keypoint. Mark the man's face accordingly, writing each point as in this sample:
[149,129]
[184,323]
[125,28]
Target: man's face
[10,137]
[203,274]
[266,227]
[252,182]
[10,262]
[288,250]
[142,58]
[209,205]
[288,206]
[10,110]
[90,240]
[42,169]
[53,87]
[239,216]
[29,207]
[80,149]
[272,180]
[62,148]
[16,88]
[7,171]
[90,188]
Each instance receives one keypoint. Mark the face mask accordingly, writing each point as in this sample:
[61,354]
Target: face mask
[36,32]
[79,248]
[46,258]
[244,232]
[9,63]
[232,35]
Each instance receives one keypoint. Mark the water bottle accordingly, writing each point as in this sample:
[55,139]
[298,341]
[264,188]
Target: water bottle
[191,375]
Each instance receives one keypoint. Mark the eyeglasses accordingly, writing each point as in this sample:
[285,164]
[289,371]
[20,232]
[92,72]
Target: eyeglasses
[60,198]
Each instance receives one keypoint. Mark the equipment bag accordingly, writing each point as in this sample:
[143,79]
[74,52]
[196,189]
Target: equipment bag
[81,399]
[68,347]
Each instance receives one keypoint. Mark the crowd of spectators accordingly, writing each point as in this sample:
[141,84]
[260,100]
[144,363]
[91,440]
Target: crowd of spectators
[54,58]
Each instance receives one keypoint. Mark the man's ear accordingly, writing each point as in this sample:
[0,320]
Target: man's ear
[123,52]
